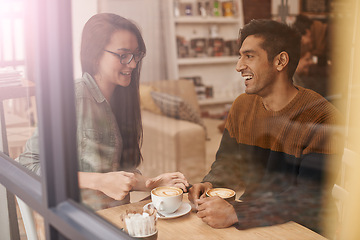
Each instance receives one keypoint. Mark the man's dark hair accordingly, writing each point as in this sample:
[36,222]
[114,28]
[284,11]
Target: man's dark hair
[277,37]
[302,23]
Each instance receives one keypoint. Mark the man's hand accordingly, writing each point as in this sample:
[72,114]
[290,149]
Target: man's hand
[198,191]
[216,212]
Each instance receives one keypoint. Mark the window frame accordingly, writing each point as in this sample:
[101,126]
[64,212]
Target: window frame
[55,195]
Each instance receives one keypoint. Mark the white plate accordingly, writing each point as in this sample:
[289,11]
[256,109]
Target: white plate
[183,209]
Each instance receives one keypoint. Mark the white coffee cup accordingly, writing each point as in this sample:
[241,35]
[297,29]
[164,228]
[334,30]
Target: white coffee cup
[166,200]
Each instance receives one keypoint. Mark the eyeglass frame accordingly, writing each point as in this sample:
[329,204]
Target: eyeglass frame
[129,61]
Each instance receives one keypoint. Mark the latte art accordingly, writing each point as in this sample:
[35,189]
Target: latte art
[221,192]
[167,192]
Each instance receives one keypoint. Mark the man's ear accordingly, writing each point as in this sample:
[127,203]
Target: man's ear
[281,61]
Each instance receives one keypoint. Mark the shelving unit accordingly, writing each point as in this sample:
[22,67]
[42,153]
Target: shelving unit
[315,9]
[206,60]
[205,20]
[216,71]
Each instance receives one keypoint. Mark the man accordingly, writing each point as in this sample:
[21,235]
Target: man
[310,76]
[315,34]
[276,145]
[303,67]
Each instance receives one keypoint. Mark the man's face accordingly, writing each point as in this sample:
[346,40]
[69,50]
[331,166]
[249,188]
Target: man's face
[254,66]
[304,64]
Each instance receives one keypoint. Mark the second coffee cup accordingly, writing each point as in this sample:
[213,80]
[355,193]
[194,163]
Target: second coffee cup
[166,200]
[224,193]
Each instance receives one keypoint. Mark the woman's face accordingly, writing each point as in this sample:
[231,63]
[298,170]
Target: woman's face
[111,71]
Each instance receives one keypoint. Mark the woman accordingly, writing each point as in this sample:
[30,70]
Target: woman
[109,128]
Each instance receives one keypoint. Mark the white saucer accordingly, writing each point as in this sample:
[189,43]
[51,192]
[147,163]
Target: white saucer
[183,209]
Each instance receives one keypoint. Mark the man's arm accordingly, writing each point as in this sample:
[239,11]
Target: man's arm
[227,168]
[305,202]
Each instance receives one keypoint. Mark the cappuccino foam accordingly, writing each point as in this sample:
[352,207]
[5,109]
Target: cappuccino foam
[221,192]
[167,192]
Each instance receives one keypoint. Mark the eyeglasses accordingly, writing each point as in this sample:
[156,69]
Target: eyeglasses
[127,57]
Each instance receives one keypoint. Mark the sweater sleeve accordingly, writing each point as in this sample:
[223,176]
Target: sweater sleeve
[306,201]
[279,202]
[227,168]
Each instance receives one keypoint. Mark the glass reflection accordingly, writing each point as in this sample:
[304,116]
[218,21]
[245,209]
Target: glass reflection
[175,138]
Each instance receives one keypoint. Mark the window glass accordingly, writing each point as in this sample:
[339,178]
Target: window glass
[18,109]
[17,88]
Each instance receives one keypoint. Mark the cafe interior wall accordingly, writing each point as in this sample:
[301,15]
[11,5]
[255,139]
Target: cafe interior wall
[82,10]
[147,14]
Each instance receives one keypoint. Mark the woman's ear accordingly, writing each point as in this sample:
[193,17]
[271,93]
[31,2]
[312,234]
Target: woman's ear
[281,61]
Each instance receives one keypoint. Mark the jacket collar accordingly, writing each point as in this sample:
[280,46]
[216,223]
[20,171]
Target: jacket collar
[93,87]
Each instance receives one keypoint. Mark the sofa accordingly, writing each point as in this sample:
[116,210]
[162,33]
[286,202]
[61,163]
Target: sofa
[173,140]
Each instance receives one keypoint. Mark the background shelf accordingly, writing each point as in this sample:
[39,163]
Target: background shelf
[207,60]
[206,20]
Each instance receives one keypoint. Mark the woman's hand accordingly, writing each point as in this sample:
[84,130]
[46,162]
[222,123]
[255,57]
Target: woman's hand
[175,179]
[117,184]
[114,184]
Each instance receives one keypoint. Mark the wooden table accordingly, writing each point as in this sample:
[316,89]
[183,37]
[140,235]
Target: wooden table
[26,89]
[191,227]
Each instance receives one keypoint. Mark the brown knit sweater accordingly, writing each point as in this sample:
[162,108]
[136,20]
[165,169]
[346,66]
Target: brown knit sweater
[301,127]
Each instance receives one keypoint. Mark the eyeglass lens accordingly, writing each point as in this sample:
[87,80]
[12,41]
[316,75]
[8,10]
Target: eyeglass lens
[127,57]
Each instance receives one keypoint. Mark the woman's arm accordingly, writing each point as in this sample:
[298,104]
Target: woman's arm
[30,158]
[118,184]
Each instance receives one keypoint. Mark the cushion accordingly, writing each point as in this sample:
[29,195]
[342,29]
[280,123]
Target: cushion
[146,100]
[184,89]
[176,107]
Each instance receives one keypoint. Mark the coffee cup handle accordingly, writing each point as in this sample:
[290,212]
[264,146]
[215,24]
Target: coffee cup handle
[159,206]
